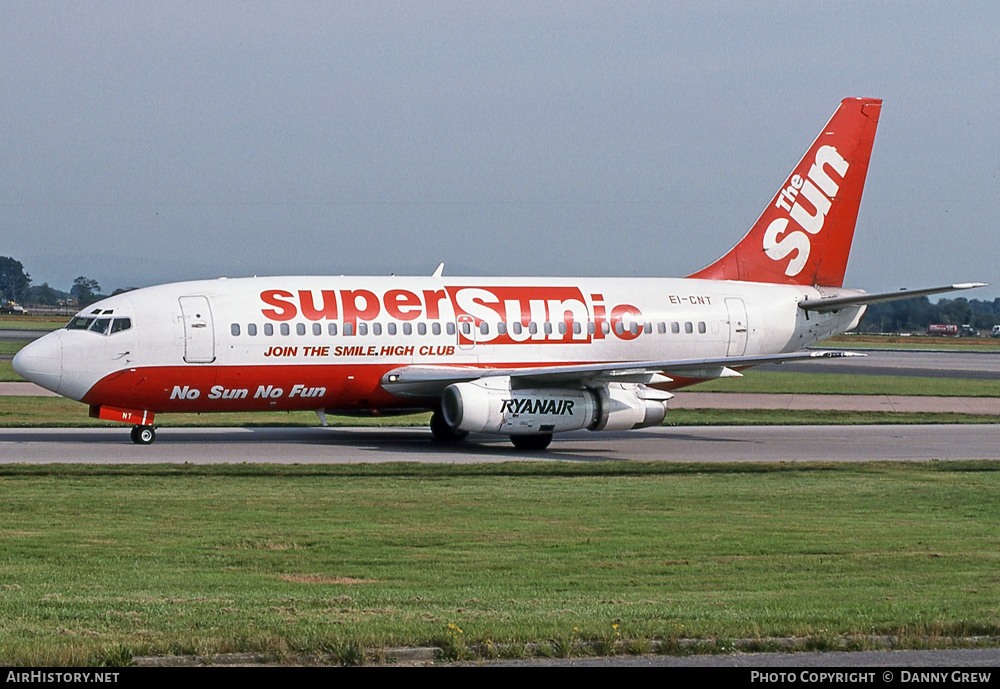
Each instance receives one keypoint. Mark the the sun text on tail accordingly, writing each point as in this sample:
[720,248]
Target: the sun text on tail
[819,190]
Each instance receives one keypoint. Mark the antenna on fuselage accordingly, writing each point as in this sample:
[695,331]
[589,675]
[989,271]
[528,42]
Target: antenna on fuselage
[437,271]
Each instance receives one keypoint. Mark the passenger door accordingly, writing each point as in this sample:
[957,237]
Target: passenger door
[199,331]
[737,311]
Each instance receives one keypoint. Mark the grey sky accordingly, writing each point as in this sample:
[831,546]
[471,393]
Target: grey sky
[156,141]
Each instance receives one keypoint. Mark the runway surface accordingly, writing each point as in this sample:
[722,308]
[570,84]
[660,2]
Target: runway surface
[369,445]
[917,404]
[900,362]
[703,444]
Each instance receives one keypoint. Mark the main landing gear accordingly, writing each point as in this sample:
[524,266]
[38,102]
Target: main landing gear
[443,433]
[143,435]
[532,443]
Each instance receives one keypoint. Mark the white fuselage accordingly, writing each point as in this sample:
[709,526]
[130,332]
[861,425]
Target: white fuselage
[324,342]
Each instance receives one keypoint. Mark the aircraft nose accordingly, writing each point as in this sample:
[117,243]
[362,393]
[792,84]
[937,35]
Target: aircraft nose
[41,361]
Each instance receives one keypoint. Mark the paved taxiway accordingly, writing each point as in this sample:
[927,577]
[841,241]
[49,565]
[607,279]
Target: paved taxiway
[899,362]
[705,444]
[18,335]
[356,445]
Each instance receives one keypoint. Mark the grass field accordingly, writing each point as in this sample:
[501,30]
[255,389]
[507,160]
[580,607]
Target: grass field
[32,322]
[7,374]
[11,347]
[102,563]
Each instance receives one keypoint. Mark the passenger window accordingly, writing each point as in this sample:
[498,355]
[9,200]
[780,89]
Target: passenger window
[235,329]
[450,328]
[376,328]
[675,327]
[300,328]
[268,329]
[606,328]
[285,329]
[421,328]
[533,328]
[348,329]
[661,328]
[317,329]
[701,327]
[561,327]
[362,328]
[689,327]
[391,328]
[633,328]
[619,328]
[407,328]
[466,328]
[516,327]
[591,328]
[501,328]
[484,328]
[252,329]
[647,327]
[332,329]
[577,328]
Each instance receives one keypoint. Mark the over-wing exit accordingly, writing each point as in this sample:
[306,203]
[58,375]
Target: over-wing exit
[522,357]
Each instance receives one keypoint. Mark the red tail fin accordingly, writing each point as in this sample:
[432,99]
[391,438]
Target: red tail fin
[804,236]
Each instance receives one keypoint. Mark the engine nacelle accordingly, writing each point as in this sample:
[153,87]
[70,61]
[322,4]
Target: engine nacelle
[490,405]
[622,407]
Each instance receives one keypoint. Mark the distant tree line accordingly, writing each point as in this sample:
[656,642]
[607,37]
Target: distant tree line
[13,280]
[15,285]
[914,315]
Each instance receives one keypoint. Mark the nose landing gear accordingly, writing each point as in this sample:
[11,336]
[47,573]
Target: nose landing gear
[143,435]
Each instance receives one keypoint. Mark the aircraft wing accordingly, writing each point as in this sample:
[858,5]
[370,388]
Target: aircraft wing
[836,303]
[429,381]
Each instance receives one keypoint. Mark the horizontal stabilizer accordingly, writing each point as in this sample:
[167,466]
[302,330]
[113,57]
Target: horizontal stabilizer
[837,303]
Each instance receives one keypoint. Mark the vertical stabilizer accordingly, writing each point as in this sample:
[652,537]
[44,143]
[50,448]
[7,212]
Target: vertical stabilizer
[804,236]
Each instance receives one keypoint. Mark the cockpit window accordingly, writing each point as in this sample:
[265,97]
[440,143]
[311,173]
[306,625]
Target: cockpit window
[79,323]
[100,325]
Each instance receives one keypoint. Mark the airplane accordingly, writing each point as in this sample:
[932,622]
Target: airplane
[521,357]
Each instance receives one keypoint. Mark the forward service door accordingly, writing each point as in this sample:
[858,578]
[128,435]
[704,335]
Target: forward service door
[199,331]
